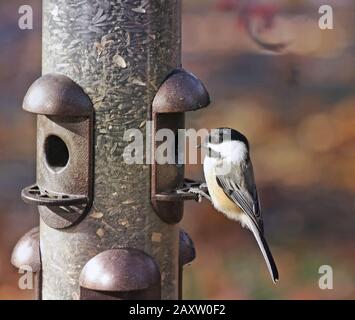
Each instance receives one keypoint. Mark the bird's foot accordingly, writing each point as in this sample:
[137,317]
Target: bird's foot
[201,193]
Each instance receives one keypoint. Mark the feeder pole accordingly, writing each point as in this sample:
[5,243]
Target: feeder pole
[119,52]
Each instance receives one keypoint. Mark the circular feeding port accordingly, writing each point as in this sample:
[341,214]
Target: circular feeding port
[57,153]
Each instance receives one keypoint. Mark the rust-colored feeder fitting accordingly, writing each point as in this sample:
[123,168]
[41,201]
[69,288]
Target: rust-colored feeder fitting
[187,254]
[181,92]
[63,190]
[26,256]
[120,274]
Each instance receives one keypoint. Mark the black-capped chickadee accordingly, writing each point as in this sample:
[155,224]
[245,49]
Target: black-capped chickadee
[230,182]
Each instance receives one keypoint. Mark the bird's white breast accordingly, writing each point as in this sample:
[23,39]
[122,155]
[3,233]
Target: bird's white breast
[219,199]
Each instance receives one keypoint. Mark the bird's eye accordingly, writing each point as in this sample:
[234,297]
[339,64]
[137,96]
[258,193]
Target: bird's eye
[213,154]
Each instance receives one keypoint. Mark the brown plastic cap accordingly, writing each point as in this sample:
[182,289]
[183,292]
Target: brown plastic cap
[181,92]
[120,270]
[26,251]
[57,95]
[187,252]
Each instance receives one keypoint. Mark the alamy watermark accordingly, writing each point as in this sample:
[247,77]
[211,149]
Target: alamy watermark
[325,282]
[325,22]
[25,21]
[26,282]
[177,148]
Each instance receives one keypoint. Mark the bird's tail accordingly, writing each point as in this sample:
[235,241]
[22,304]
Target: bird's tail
[264,249]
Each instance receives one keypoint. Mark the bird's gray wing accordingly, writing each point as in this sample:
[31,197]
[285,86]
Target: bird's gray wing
[240,187]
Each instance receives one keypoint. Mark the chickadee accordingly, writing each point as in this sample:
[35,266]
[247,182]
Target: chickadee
[230,181]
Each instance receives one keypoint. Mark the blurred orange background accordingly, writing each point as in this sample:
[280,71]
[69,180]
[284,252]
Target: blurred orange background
[297,107]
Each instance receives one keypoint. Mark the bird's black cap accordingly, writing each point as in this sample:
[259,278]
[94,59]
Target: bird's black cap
[220,135]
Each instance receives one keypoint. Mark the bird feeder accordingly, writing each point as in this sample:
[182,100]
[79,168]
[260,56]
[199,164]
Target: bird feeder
[108,229]
[181,92]
[127,274]
[63,191]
